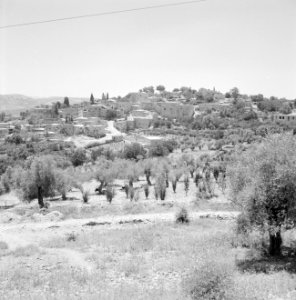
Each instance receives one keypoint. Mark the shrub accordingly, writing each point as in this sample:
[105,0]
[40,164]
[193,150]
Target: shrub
[182,216]
[109,194]
[85,196]
[210,281]
[71,237]
[162,148]
[243,224]
[78,157]
[134,151]
[15,139]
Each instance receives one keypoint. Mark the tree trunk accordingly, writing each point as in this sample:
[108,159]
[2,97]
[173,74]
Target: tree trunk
[40,197]
[174,185]
[148,179]
[100,188]
[275,242]
[64,196]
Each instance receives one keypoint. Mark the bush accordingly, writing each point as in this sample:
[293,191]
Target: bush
[71,237]
[85,196]
[78,157]
[162,148]
[182,216]
[243,224]
[15,139]
[134,151]
[109,194]
[211,281]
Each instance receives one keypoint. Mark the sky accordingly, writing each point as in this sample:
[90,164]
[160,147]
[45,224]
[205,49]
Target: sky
[250,44]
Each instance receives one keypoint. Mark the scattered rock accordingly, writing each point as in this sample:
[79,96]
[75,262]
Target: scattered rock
[135,221]
[93,223]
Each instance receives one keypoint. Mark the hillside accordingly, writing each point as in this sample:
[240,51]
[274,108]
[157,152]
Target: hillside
[14,103]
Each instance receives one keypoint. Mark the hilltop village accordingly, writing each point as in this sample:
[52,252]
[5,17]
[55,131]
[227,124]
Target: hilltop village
[148,115]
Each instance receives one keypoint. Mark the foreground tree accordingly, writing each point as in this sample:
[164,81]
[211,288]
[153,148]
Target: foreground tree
[263,183]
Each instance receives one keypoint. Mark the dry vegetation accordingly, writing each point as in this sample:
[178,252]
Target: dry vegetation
[156,261]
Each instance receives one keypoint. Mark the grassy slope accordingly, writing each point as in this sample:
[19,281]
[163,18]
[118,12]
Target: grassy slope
[156,261]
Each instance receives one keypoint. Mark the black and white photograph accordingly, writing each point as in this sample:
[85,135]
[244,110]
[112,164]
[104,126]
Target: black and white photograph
[148,149]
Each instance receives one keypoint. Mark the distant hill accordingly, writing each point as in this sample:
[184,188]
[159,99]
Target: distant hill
[14,103]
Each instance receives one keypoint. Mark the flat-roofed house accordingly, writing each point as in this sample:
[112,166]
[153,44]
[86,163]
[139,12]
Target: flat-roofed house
[287,119]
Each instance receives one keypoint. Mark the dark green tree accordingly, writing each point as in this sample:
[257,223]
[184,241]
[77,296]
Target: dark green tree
[66,102]
[92,99]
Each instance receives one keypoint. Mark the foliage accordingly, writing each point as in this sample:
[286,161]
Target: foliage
[111,114]
[160,88]
[285,109]
[109,193]
[39,180]
[108,153]
[92,99]
[85,196]
[262,181]
[67,129]
[234,92]
[106,172]
[149,89]
[210,281]
[134,151]
[66,102]
[162,148]
[78,157]
[15,138]
[182,216]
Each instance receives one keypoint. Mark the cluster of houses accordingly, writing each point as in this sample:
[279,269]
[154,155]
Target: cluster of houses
[136,112]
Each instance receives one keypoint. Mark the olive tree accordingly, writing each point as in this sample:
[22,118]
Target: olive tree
[39,180]
[105,174]
[262,182]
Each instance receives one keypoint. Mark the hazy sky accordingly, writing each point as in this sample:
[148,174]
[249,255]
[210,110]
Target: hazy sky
[250,44]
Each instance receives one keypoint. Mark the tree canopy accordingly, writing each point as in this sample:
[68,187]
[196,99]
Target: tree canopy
[263,183]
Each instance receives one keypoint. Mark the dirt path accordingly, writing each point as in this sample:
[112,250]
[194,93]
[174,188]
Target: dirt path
[23,234]
[118,219]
